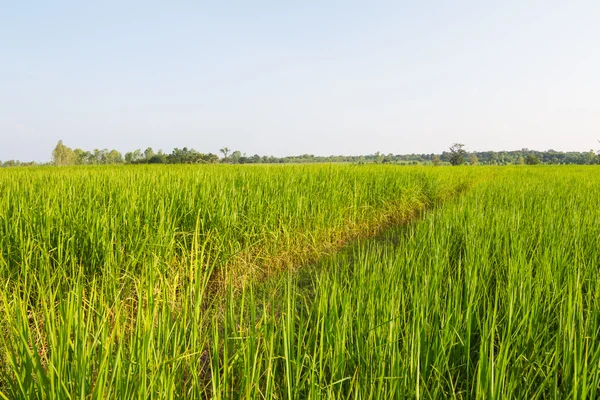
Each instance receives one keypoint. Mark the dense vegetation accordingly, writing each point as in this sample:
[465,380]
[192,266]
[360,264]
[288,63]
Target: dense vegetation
[63,155]
[184,281]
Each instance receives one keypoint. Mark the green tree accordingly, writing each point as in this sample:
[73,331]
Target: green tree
[159,158]
[493,158]
[148,153]
[473,160]
[81,156]
[235,156]
[210,158]
[129,157]
[532,159]
[225,151]
[114,157]
[590,157]
[63,155]
[134,157]
[436,160]
[457,154]
[102,156]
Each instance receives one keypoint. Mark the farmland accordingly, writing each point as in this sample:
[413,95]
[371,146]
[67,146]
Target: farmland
[340,281]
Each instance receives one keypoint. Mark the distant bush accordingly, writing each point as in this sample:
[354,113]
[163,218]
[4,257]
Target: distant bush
[532,160]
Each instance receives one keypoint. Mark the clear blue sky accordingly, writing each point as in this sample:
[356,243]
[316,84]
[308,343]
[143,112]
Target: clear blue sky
[281,78]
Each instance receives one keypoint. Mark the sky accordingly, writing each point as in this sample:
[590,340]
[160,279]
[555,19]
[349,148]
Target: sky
[299,77]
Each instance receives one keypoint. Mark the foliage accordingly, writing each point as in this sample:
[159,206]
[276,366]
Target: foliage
[190,156]
[483,157]
[225,151]
[109,282]
[473,159]
[457,154]
[532,159]
[63,155]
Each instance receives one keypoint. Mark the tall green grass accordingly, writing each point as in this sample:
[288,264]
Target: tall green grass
[494,295]
[107,220]
[114,279]
[108,283]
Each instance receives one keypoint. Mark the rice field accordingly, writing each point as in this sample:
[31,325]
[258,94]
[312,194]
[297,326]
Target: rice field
[316,281]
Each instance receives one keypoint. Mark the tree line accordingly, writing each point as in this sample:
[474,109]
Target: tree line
[457,155]
[63,155]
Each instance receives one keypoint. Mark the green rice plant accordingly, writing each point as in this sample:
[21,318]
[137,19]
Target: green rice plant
[493,295]
[299,282]
[115,278]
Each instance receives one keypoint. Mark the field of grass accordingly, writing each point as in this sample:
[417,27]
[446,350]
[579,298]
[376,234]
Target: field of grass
[300,282]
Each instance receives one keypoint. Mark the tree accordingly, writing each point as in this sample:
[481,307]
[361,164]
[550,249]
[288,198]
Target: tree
[101,156]
[148,153]
[159,158]
[134,157]
[187,156]
[473,160]
[114,157]
[436,160]
[129,157]
[210,158]
[235,156]
[493,158]
[590,157]
[457,154]
[81,156]
[225,151]
[63,155]
[532,159]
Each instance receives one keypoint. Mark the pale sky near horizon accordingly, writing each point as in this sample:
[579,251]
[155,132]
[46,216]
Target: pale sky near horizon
[282,78]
